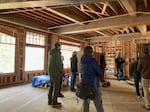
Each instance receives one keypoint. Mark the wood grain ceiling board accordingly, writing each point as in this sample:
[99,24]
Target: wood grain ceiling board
[81,18]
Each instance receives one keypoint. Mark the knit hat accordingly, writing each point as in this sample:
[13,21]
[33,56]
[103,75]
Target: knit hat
[57,45]
[146,51]
[74,53]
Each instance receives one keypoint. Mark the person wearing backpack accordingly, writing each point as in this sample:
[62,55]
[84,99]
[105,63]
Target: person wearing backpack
[90,71]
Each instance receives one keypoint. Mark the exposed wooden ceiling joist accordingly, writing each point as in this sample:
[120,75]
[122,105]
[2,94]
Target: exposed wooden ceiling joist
[146,4]
[129,36]
[130,6]
[101,33]
[106,23]
[68,16]
[142,29]
[16,20]
[11,4]
[84,12]
[53,16]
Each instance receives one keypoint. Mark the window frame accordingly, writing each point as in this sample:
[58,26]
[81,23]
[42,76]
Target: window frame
[72,47]
[36,46]
[9,40]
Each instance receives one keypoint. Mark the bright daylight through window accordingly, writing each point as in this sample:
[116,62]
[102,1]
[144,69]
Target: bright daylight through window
[66,52]
[7,53]
[34,51]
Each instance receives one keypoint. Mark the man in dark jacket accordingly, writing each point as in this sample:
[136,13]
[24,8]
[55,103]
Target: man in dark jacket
[119,65]
[102,66]
[137,77]
[144,69]
[55,67]
[74,70]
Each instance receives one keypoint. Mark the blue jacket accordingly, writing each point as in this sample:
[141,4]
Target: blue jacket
[90,70]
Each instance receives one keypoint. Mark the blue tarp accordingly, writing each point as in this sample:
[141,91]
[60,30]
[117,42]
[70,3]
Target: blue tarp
[40,80]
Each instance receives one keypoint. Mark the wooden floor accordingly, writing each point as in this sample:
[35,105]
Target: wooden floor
[120,97]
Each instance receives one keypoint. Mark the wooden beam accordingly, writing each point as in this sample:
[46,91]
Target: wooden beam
[130,36]
[101,33]
[98,6]
[11,4]
[130,6]
[104,8]
[91,10]
[142,29]
[112,9]
[84,12]
[132,29]
[66,15]
[106,23]
[146,4]
[17,20]
[97,13]
[19,11]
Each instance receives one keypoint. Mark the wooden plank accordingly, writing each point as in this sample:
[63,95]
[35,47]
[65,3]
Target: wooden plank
[11,4]
[28,99]
[105,23]
[130,6]
[129,36]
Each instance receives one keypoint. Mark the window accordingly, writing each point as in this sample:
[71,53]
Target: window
[7,53]
[34,51]
[34,58]
[66,52]
[35,39]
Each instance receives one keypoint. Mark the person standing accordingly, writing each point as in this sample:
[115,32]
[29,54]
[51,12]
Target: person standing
[119,65]
[90,71]
[144,69]
[55,67]
[102,66]
[61,79]
[74,70]
[137,77]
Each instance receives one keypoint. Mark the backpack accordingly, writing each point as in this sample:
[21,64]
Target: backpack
[85,91]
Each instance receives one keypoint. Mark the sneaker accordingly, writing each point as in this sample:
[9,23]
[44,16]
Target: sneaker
[138,97]
[147,107]
[60,95]
[49,103]
[73,90]
[56,104]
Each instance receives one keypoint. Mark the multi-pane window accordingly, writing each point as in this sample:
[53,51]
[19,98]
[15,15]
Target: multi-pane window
[34,51]
[35,39]
[66,52]
[7,53]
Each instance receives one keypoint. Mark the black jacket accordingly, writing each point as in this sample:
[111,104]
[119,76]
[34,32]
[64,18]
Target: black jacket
[74,62]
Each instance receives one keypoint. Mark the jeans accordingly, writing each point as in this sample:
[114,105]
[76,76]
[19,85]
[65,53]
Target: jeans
[73,80]
[137,80]
[97,101]
[120,73]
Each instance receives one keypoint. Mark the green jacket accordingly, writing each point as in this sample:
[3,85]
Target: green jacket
[55,65]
